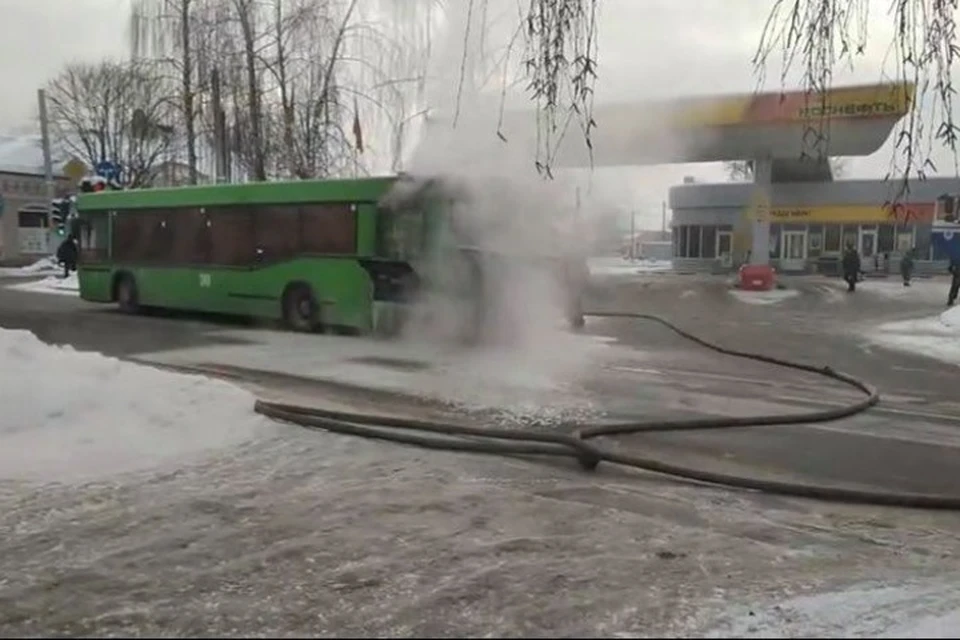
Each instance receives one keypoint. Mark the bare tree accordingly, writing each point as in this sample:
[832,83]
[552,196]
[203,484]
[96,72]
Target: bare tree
[739,170]
[840,167]
[819,35]
[112,111]
[288,74]
[171,33]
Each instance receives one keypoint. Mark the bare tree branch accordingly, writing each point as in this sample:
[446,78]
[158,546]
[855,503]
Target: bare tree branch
[112,111]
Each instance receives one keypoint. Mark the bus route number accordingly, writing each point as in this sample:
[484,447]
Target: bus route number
[204,279]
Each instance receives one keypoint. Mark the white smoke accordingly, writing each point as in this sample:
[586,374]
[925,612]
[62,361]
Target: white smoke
[529,356]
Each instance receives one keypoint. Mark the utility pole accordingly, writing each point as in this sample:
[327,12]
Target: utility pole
[47,158]
[663,219]
[633,232]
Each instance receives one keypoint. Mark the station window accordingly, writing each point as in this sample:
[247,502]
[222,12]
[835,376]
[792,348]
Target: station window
[885,238]
[693,242]
[815,240]
[697,241]
[831,238]
[851,235]
[709,242]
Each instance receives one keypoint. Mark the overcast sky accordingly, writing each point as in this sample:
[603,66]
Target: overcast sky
[648,48]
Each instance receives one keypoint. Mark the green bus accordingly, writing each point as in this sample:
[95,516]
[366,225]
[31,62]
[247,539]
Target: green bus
[334,254]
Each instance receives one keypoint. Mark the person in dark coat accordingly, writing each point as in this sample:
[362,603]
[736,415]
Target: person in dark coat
[954,280]
[851,267]
[67,254]
[906,266]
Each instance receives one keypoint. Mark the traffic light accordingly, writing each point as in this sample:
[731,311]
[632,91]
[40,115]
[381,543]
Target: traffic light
[59,212]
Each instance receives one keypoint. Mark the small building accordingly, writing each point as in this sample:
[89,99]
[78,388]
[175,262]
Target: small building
[24,202]
[811,222]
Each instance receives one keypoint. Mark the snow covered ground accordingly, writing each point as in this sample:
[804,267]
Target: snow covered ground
[935,337]
[69,286]
[43,266]
[143,502]
[614,266]
[70,416]
[913,609]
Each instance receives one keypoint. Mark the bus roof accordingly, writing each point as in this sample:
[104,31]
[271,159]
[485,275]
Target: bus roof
[340,190]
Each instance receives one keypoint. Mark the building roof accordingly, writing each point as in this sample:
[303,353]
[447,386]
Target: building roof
[717,128]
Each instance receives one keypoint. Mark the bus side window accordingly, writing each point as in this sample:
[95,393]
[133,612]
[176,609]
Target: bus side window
[329,228]
[232,236]
[277,233]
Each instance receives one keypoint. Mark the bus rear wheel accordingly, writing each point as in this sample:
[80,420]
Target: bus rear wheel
[300,311]
[127,296]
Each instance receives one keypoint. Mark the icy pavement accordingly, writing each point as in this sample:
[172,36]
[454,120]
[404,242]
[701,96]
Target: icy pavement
[52,284]
[615,267]
[921,290]
[935,337]
[70,416]
[530,383]
[773,296]
[310,534]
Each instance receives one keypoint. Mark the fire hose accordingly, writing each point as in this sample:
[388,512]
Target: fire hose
[578,443]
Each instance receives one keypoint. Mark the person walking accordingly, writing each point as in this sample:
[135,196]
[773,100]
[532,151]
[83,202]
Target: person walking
[67,254]
[906,266]
[851,267]
[954,280]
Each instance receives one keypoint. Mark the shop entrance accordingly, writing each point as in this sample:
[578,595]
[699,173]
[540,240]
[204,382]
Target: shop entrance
[794,256]
[868,244]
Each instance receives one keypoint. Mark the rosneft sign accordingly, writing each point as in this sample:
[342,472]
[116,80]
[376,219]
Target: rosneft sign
[883,100]
[862,109]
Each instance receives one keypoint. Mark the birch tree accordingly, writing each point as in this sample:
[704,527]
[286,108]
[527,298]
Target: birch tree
[171,33]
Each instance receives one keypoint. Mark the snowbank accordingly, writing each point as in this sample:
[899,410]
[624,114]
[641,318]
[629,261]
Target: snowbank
[951,318]
[937,337]
[614,267]
[40,267]
[773,296]
[52,284]
[73,416]
[902,611]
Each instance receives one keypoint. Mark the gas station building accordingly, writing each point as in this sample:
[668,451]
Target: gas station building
[805,216]
[794,215]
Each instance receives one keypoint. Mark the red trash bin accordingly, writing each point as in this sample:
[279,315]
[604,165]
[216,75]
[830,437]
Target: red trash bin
[756,277]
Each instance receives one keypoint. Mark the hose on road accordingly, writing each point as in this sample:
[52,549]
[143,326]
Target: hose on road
[437,435]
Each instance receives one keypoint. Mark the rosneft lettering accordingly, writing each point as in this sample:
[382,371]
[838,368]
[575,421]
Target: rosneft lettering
[877,108]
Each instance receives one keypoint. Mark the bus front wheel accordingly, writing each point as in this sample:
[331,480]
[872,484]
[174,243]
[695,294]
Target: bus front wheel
[300,311]
[126,294]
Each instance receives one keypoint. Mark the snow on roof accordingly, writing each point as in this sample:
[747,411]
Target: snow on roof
[24,154]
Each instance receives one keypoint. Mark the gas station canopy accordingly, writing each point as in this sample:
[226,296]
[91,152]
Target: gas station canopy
[854,121]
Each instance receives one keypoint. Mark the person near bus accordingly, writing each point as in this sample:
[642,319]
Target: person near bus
[906,266]
[67,254]
[954,280]
[851,267]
